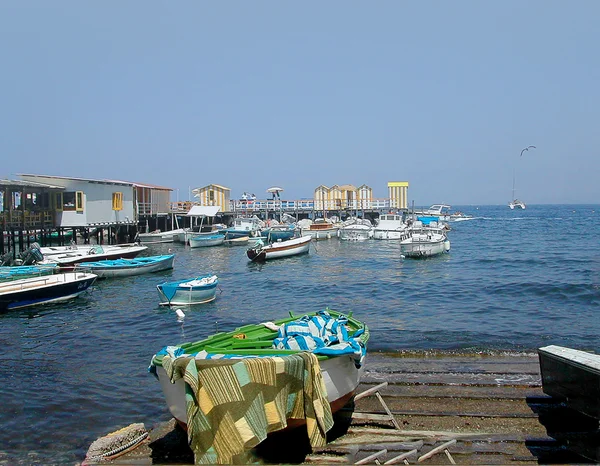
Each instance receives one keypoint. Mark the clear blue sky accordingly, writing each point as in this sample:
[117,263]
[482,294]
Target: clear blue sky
[251,94]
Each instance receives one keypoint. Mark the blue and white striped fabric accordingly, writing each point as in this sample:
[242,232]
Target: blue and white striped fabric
[321,334]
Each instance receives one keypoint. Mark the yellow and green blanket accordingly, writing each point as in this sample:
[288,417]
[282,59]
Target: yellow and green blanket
[232,404]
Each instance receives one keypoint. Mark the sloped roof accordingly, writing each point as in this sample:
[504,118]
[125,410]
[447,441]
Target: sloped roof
[203,211]
[95,180]
[28,184]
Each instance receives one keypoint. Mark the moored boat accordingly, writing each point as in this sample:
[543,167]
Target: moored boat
[34,291]
[390,226]
[198,241]
[272,371]
[75,254]
[321,228]
[291,247]
[158,236]
[127,267]
[425,240]
[16,272]
[356,229]
[189,291]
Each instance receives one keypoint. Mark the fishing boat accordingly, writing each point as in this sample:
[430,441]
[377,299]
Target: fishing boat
[277,367]
[200,240]
[111,268]
[572,375]
[197,290]
[34,291]
[391,226]
[291,247]
[70,255]
[16,272]
[280,231]
[425,240]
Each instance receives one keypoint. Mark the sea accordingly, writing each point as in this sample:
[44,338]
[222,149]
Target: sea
[512,282]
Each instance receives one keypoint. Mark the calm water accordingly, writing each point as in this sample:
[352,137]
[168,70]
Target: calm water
[513,281]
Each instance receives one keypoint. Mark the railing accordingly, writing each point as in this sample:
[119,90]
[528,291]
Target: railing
[295,205]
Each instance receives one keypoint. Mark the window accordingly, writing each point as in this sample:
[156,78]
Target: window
[211,195]
[58,201]
[79,201]
[68,201]
[117,201]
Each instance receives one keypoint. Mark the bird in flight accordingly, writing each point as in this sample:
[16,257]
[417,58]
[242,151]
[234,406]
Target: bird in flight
[527,148]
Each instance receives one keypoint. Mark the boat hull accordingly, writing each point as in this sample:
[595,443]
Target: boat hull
[184,294]
[96,253]
[127,267]
[161,237]
[205,241]
[278,250]
[340,375]
[418,249]
[321,233]
[355,234]
[29,292]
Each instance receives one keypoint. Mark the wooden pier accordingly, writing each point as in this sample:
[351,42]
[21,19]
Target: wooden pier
[431,410]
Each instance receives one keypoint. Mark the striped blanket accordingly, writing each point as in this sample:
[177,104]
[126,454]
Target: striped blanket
[232,404]
[321,334]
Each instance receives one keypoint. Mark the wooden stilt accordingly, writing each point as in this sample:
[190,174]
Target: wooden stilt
[375,391]
[443,447]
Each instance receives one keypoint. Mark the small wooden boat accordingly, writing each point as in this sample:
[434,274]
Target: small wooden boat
[127,267]
[321,228]
[189,291]
[291,247]
[159,236]
[17,272]
[28,292]
[75,254]
[199,241]
[251,374]
[572,375]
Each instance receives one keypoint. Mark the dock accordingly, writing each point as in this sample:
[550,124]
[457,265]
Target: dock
[425,408]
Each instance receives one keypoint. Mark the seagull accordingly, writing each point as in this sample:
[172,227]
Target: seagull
[527,148]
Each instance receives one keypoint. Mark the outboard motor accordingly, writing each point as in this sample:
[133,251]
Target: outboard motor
[31,255]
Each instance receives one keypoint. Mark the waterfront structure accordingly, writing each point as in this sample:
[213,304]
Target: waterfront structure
[213,195]
[342,197]
[398,194]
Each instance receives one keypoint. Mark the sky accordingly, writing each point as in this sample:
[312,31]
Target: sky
[254,94]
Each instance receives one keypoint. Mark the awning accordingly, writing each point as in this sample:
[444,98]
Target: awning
[203,211]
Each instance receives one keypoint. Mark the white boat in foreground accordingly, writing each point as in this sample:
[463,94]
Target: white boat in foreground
[76,254]
[34,291]
[185,292]
[425,241]
[291,247]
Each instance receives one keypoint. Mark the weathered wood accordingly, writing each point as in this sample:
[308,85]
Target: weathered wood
[402,457]
[436,450]
[372,457]
[370,391]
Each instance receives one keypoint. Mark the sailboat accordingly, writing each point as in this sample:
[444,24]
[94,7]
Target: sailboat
[517,203]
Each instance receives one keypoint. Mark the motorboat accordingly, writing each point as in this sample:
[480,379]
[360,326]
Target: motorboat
[69,255]
[244,226]
[189,291]
[291,247]
[425,240]
[158,236]
[391,226]
[269,371]
[356,229]
[34,291]
[110,268]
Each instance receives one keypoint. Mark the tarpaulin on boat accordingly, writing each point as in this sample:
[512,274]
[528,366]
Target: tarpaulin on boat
[428,220]
[232,404]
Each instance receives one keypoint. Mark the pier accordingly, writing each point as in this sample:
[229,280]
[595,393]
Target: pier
[471,409]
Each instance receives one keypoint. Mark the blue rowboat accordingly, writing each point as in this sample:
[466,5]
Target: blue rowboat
[189,291]
[200,240]
[111,268]
[17,272]
[28,292]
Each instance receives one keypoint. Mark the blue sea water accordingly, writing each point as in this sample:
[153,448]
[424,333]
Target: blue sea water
[512,282]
